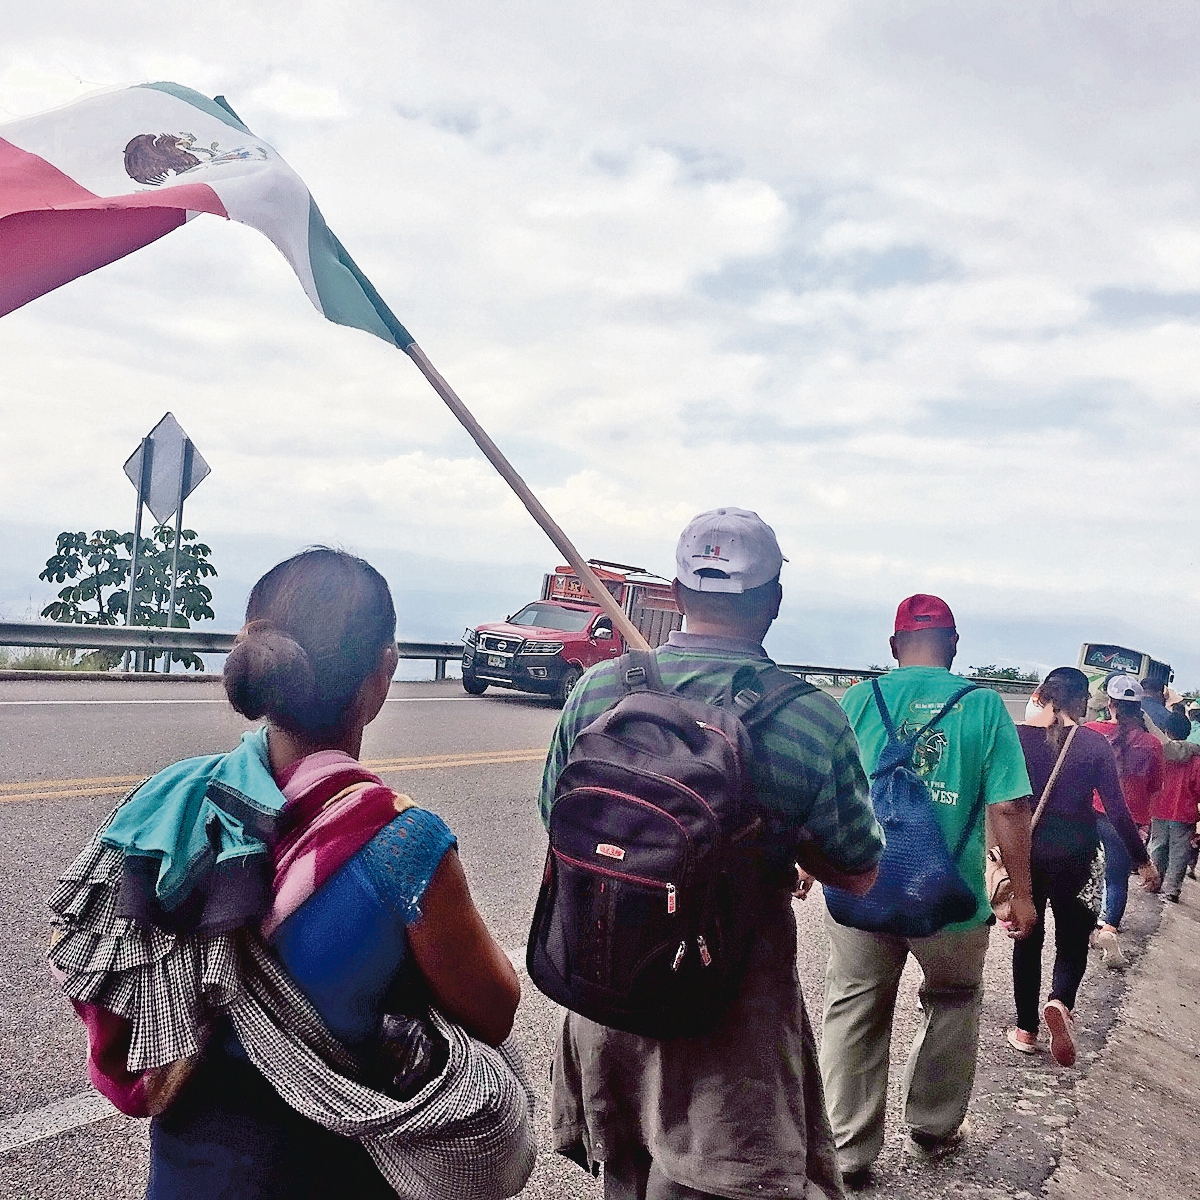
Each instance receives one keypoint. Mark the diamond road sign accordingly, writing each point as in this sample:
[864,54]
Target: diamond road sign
[167,460]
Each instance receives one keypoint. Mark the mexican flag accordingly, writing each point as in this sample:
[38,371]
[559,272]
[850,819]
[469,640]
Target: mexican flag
[91,182]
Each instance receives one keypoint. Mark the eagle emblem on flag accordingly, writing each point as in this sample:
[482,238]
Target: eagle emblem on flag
[153,159]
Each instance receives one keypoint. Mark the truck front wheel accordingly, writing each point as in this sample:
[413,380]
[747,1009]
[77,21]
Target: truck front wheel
[566,684]
[472,686]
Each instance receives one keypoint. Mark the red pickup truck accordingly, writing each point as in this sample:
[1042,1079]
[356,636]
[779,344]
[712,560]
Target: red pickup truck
[548,644]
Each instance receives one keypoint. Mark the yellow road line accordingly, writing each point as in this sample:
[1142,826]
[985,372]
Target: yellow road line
[86,794]
[111,785]
[99,781]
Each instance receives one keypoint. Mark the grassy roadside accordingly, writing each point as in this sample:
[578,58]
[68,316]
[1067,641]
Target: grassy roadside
[39,659]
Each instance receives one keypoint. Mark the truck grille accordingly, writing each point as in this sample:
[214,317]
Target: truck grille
[499,645]
[542,647]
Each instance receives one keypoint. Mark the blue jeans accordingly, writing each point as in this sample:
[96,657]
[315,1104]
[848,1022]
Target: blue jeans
[1117,865]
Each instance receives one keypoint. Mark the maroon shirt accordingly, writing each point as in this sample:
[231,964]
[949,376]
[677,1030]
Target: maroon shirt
[1090,768]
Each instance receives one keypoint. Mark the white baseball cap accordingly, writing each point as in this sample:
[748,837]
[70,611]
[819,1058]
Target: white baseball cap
[1124,687]
[727,550]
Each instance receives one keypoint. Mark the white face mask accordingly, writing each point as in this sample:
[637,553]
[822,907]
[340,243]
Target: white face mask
[1044,716]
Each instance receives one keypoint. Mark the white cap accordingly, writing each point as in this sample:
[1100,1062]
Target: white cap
[735,549]
[1124,687]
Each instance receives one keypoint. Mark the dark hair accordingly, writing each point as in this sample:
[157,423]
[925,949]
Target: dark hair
[315,627]
[1065,688]
[1129,718]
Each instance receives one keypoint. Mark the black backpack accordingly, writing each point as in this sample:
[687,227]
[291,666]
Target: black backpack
[920,888]
[654,877]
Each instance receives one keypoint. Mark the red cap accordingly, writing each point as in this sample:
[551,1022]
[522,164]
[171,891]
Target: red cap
[923,612]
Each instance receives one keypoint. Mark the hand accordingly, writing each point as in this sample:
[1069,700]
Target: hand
[804,882]
[1024,918]
[1151,879]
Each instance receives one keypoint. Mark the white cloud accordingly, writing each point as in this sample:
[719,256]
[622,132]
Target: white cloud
[298,100]
[847,265]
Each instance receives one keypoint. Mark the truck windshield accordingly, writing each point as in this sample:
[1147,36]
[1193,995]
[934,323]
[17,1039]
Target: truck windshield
[550,616]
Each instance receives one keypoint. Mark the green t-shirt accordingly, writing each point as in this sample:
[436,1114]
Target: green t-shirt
[972,754]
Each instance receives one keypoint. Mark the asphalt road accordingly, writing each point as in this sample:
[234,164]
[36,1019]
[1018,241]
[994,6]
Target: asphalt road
[68,750]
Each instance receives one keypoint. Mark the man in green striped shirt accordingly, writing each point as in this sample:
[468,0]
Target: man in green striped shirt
[739,1112]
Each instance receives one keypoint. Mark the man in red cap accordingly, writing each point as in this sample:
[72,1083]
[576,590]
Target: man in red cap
[970,760]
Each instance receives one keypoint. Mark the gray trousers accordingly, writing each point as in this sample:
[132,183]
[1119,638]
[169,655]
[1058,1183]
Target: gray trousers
[1169,848]
[860,998]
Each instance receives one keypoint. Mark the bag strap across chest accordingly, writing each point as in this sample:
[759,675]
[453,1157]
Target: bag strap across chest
[890,726]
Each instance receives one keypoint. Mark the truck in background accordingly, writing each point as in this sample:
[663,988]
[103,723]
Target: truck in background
[1099,660]
[550,642]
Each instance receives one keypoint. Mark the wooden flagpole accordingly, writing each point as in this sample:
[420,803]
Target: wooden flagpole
[605,598]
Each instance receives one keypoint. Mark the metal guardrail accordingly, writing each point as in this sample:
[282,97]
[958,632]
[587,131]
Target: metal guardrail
[53,636]
[834,674]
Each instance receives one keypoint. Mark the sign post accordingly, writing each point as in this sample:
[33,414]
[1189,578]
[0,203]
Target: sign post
[166,468]
[145,467]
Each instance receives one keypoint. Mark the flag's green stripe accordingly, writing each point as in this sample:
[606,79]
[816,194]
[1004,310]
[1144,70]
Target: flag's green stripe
[347,296]
[221,111]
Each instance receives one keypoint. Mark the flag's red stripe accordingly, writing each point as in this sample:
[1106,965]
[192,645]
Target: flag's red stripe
[28,182]
[53,230]
[191,197]
[42,250]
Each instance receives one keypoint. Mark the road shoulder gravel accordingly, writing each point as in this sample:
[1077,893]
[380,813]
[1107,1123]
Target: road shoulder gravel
[1138,1126]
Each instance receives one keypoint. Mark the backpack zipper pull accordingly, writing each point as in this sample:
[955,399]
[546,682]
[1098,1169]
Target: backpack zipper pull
[670,897]
[679,956]
[705,957]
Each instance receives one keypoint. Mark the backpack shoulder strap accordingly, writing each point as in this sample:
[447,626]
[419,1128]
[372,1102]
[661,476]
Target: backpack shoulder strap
[638,672]
[971,687]
[886,716]
[755,695]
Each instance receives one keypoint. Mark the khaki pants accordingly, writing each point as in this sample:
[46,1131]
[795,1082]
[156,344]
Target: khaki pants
[860,998]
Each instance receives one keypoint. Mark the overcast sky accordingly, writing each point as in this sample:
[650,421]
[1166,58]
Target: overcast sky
[919,282]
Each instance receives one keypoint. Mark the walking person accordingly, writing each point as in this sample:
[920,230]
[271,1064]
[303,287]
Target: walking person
[737,1111]
[1192,712]
[319,913]
[1193,715]
[1067,765]
[1157,707]
[1139,758]
[1173,816]
[971,760]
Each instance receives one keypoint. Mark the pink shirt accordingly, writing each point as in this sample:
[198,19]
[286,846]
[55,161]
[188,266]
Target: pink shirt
[1140,769]
[1180,794]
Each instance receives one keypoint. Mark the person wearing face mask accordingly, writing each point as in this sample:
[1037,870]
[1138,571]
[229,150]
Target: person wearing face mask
[1067,765]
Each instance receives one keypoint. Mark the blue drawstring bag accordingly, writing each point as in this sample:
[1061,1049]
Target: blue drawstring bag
[920,888]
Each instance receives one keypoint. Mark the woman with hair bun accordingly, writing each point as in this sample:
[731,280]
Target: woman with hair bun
[1067,765]
[290,898]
